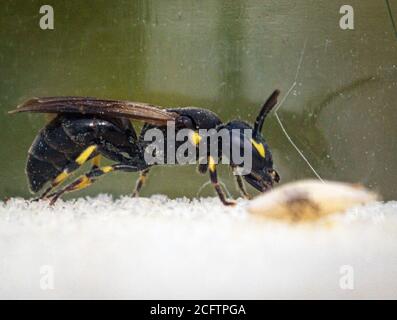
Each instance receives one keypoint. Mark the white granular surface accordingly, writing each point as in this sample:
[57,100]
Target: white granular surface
[161,248]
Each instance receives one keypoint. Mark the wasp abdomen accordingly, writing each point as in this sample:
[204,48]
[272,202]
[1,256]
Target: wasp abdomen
[44,162]
[51,151]
[58,145]
[56,136]
[39,172]
[43,151]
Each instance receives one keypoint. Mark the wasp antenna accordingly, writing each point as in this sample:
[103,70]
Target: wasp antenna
[269,104]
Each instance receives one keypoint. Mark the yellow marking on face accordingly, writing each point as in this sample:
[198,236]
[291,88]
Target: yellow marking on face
[211,164]
[259,147]
[85,182]
[196,138]
[107,169]
[96,161]
[60,178]
[85,155]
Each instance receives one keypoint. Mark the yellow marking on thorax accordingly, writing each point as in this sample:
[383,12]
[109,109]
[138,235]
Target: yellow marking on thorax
[196,138]
[211,164]
[85,155]
[259,147]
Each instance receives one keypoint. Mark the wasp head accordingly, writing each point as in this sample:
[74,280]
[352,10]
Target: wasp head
[262,176]
[260,173]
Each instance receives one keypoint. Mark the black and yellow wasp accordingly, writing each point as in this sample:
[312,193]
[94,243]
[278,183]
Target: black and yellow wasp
[85,129]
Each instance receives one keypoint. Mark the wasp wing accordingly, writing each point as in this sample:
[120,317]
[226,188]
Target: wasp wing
[111,108]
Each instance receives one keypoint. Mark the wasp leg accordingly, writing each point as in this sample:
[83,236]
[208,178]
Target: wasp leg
[140,182]
[96,162]
[240,185]
[241,188]
[80,160]
[89,178]
[215,183]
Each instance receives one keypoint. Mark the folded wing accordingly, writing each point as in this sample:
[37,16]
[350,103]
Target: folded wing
[110,108]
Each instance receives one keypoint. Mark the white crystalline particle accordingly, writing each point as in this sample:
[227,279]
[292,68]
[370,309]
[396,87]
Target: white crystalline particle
[142,248]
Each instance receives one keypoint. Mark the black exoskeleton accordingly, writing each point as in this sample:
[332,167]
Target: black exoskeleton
[87,128]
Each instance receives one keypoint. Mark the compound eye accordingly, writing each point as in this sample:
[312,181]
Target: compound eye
[184,122]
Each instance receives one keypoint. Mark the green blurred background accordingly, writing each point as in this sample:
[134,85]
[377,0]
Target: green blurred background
[223,55]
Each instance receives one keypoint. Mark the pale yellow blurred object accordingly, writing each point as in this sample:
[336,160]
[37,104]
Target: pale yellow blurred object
[310,200]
